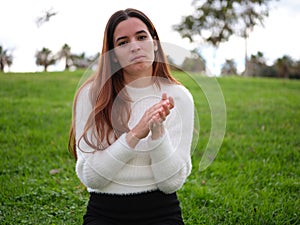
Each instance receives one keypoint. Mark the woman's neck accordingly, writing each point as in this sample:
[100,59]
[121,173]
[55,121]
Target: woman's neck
[138,81]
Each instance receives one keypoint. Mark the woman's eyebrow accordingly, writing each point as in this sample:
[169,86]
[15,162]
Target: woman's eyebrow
[136,33]
[120,38]
[140,32]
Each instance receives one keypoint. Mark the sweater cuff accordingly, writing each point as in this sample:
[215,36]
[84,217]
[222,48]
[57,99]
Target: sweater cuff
[161,148]
[124,152]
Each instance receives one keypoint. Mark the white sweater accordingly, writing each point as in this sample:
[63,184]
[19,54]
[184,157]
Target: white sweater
[162,164]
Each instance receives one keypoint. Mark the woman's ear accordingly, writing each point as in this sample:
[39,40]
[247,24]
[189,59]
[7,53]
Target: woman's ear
[155,45]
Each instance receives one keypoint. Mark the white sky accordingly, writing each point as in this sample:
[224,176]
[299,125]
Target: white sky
[80,24]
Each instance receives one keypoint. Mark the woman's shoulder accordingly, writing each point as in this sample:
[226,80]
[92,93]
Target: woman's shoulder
[83,92]
[179,92]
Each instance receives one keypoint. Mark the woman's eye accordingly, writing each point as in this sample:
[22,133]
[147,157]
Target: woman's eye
[122,43]
[142,37]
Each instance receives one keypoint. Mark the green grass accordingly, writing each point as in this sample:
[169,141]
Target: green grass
[254,179]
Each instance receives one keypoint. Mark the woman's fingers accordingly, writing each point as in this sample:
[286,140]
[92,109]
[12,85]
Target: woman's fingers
[171,103]
[162,115]
[154,117]
[166,108]
[160,110]
[168,100]
[155,122]
[164,96]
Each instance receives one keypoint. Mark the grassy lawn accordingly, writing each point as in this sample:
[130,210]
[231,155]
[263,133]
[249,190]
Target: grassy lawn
[255,178]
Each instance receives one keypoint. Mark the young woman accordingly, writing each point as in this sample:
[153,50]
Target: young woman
[132,129]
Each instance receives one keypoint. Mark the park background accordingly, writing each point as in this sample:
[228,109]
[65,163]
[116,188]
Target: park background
[80,24]
[253,180]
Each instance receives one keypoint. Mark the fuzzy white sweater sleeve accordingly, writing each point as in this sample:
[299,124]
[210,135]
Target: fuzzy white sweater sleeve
[171,160]
[96,169]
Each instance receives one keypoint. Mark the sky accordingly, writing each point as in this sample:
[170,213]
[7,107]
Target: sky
[81,23]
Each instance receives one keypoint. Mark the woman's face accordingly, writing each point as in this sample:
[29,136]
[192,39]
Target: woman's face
[134,48]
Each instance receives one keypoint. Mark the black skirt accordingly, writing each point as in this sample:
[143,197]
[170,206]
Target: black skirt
[150,208]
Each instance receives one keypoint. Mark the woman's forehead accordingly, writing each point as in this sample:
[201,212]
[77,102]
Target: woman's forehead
[130,27]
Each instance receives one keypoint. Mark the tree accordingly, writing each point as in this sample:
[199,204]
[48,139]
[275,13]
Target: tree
[255,64]
[80,61]
[229,67]
[296,70]
[284,66]
[216,20]
[65,53]
[195,63]
[6,59]
[45,58]
[45,17]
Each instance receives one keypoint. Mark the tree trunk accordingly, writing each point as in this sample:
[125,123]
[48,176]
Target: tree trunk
[246,57]
[1,66]
[66,65]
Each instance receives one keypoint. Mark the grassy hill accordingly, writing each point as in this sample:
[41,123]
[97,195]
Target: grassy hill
[255,178]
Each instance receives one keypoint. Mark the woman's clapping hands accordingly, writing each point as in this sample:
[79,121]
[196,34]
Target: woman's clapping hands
[152,121]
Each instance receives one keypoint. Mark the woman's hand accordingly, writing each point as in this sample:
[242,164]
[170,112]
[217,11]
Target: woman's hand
[156,123]
[152,120]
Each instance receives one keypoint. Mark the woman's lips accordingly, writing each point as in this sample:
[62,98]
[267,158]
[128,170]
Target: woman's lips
[137,59]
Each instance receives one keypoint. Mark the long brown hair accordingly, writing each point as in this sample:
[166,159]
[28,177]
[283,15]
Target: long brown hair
[107,82]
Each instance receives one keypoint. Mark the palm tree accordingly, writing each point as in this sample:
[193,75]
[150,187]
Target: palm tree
[45,58]
[6,59]
[65,53]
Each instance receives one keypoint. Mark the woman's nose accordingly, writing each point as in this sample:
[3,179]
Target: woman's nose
[134,46]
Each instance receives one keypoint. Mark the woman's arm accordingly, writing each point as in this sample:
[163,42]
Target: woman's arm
[94,168]
[171,158]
